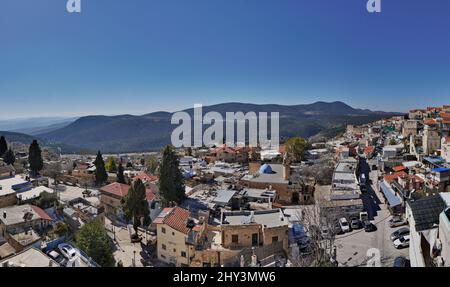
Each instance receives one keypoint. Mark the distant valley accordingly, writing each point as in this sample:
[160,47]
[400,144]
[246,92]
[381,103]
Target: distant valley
[130,133]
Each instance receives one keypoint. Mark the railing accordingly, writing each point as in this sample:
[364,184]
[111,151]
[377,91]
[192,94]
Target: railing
[261,253]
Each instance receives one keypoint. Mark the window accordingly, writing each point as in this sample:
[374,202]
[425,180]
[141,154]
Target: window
[254,239]
[174,250]
[235,238]
[163,230]
[274,238]
[173,233]
[183,254]
[164,247]
[162,256]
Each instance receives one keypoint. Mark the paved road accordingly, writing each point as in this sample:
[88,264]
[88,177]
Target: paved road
[352,247]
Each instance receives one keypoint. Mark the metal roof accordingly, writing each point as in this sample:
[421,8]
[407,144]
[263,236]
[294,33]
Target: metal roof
[389,193]
[426,211]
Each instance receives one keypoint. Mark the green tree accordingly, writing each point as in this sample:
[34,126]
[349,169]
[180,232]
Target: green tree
[35,158]
[100,172]
[295,147]
[171,183]
[93,239]
[47,200]
[392,142]
[120,176]
[3,146]
[135,205]
[111,165]
[9,157]
[151,163]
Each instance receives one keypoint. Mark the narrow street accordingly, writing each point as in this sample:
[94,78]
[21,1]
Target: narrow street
[353,247]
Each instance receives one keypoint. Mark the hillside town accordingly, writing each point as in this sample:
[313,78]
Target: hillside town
[378,194]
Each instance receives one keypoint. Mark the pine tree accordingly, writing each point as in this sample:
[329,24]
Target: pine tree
[135,205]
[111,165]
[120,176]
[171,183]
[93,239]
[3,146]
[35,158]
[100,172]
[9,157]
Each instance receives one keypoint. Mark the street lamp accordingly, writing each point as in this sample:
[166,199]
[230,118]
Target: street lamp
[134,258]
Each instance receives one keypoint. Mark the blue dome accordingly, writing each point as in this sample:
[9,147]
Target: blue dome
[265,168]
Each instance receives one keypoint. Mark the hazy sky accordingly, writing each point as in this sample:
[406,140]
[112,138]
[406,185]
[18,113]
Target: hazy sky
[140,56]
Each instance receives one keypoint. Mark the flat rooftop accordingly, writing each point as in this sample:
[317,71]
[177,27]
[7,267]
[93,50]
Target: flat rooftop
[257,193]
[345,167]
[30,258]
[275,177]
[7,183]
[267,218]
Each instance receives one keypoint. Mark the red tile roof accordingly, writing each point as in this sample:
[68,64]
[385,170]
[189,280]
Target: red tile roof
[398,168]
[120,190]
[42,214]
[175,217]
[146,177]
[117,189]
[368,149]
[444,115]
[228,149]
[391,177]
[430,122]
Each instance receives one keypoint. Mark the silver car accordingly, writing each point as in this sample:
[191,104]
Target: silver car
[396,221]
[399,233]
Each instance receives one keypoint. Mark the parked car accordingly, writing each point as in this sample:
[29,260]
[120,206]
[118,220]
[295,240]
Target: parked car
[402,242]
[401,262]
[337,228]
[399,233]
[67,250]
[57,257]
[363,216]
[344,225]
[355,223]
[369,226]
[396,221]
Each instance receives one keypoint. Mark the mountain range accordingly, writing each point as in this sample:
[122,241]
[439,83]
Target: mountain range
[131,133]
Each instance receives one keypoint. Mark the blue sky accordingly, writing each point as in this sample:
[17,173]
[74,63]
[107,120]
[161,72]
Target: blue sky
[140,56]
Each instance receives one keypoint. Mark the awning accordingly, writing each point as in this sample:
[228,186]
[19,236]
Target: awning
[389,193]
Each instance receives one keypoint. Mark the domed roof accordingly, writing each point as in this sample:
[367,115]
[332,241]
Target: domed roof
[265,168]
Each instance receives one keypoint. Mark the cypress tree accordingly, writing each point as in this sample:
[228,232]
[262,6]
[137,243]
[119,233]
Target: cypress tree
[3,146]
[9,157]
[135,205]
[120,176]
[171,182]
[35,158]
[100,172]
